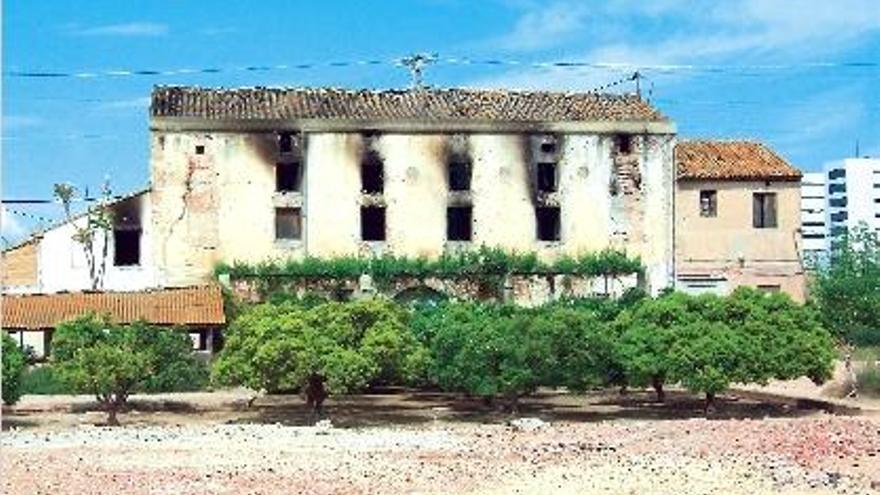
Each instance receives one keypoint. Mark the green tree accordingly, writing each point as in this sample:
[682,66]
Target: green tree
[708,357]
[111,361]
[787,340]
[648,332]
[488,350]
[582,353]
[331,348]
[846,289]
[13,368]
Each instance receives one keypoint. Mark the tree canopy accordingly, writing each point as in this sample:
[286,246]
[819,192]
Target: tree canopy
[13,367]
[112,361]
[330,348]
[847,288]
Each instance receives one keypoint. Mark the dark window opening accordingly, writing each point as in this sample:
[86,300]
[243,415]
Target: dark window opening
[623,144]
[458,223]
[285,142]
[287,177]
[288,224]
[764,210]
[548,224]
[127,247]
[547,178]
[459,175]
[200,149]
[372,174]
[373,223]
[836,188]
[839,217]
[203,340]
[837,202]
[769,288]
[837,173]
[548,147]
[708,203]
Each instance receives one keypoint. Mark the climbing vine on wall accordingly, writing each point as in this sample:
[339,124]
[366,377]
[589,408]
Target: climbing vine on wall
[482,264]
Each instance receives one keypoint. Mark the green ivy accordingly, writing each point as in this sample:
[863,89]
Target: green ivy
[484,263]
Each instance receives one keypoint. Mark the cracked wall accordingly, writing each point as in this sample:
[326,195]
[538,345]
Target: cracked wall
[219,206]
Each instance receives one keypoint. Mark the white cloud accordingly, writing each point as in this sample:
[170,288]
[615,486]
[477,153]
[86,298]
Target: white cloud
[705,33]
[543,26]
[131,29]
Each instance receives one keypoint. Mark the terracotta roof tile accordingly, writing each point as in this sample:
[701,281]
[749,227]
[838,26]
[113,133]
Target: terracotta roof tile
[186,306]
[428,104]
[730,160]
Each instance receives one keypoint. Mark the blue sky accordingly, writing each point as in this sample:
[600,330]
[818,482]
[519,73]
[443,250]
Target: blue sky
[83,129]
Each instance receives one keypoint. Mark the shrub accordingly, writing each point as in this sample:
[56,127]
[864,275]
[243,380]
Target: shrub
[332,348]
[43,380]
[111,361]
[13,368]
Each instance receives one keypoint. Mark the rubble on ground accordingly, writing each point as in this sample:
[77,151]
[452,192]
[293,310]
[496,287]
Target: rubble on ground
[824,454]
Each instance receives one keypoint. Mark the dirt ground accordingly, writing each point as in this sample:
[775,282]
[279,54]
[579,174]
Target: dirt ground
[435,443]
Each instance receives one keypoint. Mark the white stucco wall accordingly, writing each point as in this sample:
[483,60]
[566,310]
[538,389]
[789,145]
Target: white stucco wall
[219,205]
[62,265]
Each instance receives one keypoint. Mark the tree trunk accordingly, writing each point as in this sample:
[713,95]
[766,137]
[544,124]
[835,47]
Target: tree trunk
[710,403]
[315,395]
[513,404]
[657,383]
[112,409]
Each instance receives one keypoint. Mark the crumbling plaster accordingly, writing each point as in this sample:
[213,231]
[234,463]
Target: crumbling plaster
[219,206]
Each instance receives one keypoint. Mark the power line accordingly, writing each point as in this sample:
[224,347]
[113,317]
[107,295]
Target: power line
[31,216]
[452,61]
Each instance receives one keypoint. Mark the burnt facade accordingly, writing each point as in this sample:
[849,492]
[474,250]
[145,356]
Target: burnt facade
[255,174]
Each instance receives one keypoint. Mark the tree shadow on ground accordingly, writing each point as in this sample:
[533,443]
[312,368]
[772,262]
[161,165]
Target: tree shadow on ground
[8,422]
[141,405]
[413,408]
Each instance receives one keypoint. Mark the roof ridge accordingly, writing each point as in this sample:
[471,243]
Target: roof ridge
[437,104]
[430,89]
[87,292]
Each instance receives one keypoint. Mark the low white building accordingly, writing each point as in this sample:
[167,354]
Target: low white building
[52,261]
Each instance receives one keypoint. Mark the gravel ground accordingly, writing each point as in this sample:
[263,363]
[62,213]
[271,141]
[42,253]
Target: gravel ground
[817,454]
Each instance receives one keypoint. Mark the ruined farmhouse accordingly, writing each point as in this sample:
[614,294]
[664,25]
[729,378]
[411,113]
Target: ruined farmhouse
[255,174]
[259,174]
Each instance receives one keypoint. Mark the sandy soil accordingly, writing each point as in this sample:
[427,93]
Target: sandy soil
[601,443]
[804,455]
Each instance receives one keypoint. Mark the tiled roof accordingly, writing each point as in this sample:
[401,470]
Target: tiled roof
[421,105]
[186,306]
[730,160]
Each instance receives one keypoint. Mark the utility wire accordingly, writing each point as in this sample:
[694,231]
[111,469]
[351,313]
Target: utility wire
[451,61]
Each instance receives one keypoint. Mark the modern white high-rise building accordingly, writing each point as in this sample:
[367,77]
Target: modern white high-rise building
[814,230]
[853,196]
